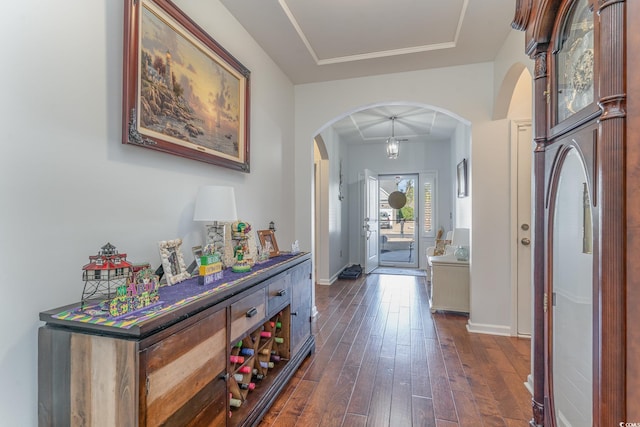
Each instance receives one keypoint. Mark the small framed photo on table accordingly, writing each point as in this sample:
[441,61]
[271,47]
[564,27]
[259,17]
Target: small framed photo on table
[173,264]
[268,242]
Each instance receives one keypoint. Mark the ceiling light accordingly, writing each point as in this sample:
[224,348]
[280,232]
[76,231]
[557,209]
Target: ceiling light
[393,148]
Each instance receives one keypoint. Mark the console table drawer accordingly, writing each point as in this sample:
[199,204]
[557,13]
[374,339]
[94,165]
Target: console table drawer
[278,294]
[247,313]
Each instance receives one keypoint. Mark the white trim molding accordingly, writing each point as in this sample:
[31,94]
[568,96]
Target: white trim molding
[478,328]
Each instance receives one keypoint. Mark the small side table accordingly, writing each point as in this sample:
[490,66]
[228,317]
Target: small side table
[449,284]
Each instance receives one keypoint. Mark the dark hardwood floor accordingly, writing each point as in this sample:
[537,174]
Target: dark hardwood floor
[382,359]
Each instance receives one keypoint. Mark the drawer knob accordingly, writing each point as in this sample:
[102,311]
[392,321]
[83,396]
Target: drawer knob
[252,312]
[282,292]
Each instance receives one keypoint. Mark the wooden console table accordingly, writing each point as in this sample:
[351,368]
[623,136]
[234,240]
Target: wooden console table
[219,355]
[449,284]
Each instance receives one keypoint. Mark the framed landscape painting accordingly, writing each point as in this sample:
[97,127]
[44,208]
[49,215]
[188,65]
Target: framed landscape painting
[184,94]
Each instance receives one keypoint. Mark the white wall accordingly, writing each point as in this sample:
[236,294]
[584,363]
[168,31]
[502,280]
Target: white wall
[321,188]
[461,150]
[68,185]
[332,212]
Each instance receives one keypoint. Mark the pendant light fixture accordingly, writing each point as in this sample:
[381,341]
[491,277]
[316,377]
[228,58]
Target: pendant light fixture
[393,148]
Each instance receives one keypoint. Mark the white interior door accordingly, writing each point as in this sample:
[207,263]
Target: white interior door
[370,226]
[524,278]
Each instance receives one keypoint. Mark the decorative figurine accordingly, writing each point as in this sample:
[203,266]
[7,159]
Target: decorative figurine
[210,269]
[241,253]
[105,272]
[117,286]
[137,295]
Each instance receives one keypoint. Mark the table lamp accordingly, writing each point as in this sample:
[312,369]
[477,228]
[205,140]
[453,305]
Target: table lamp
[215,204]
[460,240]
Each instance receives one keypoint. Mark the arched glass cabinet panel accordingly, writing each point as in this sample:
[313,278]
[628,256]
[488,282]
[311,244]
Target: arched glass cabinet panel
[572,297]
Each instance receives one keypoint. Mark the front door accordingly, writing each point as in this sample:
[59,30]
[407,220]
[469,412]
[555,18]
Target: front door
[370,221]
[398,225]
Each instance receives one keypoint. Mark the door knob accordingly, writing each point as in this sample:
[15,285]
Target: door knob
[525,241]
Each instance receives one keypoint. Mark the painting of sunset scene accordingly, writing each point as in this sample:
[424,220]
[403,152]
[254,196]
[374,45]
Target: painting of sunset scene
[186,94]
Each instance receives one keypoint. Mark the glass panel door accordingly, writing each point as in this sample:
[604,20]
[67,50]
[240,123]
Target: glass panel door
[571,298]
[397,219]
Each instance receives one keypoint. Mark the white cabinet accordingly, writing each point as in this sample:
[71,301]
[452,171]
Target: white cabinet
[449,284]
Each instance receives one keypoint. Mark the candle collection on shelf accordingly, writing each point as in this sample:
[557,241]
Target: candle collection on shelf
[254,355]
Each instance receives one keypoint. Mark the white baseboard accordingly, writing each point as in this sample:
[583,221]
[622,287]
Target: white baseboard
[479,328]
[529,384]
[333,278]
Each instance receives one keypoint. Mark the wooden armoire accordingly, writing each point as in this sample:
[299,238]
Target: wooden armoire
[586,335]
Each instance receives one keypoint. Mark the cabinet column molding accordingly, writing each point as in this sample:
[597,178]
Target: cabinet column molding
[541,96]
[610,152]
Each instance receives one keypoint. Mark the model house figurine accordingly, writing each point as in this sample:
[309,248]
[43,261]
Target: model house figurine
[117,287]
[105,272]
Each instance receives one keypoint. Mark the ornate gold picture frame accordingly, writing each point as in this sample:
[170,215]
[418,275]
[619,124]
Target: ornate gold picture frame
[184,94]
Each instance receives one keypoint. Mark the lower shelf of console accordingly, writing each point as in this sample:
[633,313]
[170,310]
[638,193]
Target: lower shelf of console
[249,403]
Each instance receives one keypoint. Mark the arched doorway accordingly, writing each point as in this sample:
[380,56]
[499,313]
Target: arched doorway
[433,141]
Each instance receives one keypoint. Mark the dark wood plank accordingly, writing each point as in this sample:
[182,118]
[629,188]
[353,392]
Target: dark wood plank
[422,412]
[294,407]
[329,385]
[443,405]
[353,420]
[468,415]
[390,336]
[401,392]
[338,400]
[420,382]
[404,326]
[380,408]
[361,396]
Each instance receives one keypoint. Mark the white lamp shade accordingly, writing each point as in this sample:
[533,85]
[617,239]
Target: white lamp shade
[460,237]
[215,203]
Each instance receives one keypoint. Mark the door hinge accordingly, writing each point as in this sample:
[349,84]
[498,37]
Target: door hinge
[547,93]
[147,386]
[545,302]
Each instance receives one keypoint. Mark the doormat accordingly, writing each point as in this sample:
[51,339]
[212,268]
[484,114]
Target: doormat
[400,271]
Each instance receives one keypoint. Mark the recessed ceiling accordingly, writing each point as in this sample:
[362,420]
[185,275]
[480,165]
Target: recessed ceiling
[315,41]
[349,21]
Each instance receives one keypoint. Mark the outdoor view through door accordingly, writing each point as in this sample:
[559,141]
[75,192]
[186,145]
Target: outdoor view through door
[398,228]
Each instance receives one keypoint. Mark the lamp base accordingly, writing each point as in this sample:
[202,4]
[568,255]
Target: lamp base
[215,236]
